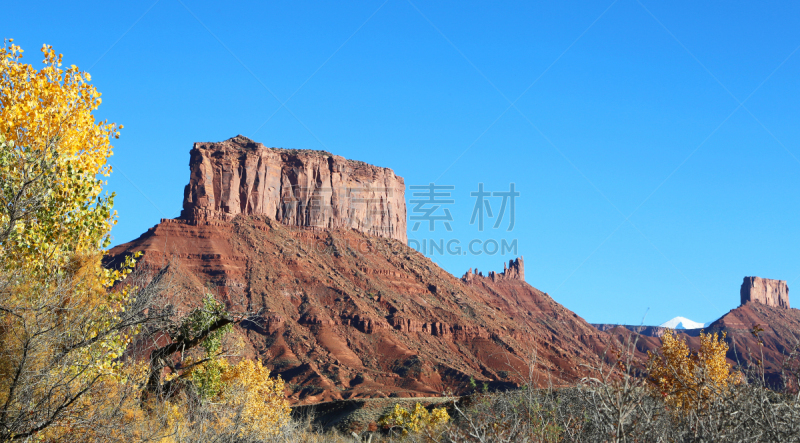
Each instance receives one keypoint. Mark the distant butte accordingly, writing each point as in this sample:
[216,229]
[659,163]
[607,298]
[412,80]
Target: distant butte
[758,332]
[768,292]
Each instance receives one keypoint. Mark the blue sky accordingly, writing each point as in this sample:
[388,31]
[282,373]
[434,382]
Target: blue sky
[655,145]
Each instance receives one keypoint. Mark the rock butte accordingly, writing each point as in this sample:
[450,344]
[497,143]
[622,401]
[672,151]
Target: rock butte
[346,308]
[311,189]
[768,292]
[765,304]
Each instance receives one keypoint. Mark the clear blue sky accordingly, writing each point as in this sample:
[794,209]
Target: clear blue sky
[644,181]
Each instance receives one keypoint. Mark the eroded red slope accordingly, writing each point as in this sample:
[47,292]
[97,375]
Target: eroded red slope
[346,315]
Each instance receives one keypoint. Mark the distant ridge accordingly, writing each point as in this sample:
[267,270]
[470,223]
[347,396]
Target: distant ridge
[682,324]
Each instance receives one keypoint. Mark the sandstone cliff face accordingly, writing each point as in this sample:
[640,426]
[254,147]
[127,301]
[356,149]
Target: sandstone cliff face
[768,292]
[303,188]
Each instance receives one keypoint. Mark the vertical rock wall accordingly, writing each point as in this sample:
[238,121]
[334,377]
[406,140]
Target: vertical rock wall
[296,187]
[765,291]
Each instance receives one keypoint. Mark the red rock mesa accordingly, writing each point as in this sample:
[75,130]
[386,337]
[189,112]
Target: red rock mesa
[345,309]
[296,187]
[765,291]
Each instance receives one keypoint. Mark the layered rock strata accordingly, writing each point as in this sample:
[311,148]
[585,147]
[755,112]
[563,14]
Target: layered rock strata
[350,313]
[768,292]
[345,315]
[304,188]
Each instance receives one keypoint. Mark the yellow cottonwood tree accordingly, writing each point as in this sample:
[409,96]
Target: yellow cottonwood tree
[62,330]
[260,399]
[54,152]
[64,325]
[687,379]
[416,420]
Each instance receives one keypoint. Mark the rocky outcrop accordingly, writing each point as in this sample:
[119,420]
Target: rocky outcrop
[768,292]
[342,314]
[349,313]
[515,270]
[305,188]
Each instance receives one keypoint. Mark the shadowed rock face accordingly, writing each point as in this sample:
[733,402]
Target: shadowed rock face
[311,189]
[768,292]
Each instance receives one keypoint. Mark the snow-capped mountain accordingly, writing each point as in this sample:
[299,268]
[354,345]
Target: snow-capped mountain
[683,323]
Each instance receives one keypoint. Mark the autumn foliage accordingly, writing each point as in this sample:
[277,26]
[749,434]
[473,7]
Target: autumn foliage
[54,155]
[687,379]
[249,388]
[70,368]
[416,420]
[66,322]
[63,328]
